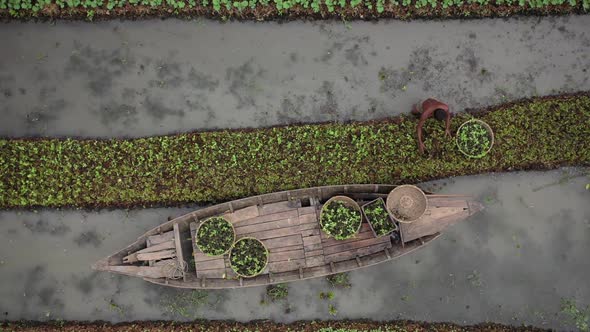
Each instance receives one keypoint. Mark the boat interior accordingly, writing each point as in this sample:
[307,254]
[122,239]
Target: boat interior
[287,223]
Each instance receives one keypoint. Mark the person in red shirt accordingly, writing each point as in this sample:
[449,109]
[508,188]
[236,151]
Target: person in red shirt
[427,109]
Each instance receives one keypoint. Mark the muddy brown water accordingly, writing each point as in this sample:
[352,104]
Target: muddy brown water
[513,264]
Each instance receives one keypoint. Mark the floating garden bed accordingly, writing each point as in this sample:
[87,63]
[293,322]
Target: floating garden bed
[284,9]
[341,217]
[540,133]
[248,257]
[378,218]
[475,138]
[215,236]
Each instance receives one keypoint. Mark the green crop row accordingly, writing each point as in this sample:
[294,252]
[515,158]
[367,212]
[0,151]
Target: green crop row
[25,8]
[221,165]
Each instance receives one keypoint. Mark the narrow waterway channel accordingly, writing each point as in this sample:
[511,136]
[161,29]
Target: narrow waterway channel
[155,77]
[513,263]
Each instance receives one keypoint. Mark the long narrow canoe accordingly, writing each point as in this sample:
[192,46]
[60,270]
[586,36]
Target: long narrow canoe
[287,223]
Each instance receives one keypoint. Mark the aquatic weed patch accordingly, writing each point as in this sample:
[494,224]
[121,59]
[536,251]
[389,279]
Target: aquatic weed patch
[540,133]
[215,236]
[285,9]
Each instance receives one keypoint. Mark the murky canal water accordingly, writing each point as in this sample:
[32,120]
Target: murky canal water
[513,263]
[154,77]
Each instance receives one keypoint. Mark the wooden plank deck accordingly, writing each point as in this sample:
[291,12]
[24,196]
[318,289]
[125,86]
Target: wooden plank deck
[442,212]
[287,223]
[293,237]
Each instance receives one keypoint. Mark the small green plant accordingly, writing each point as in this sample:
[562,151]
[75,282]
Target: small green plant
[580,317]
[340,220]
[113,306]
[215,236]
[248,257]
[332,310]
[379,218]
[277,292]
[473,139]
[329,295]
[339,280]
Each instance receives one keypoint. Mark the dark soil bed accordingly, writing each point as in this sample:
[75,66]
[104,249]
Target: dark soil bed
[540,133]
[262,326]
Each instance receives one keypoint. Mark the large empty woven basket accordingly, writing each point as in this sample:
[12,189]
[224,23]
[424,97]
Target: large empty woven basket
[407,203]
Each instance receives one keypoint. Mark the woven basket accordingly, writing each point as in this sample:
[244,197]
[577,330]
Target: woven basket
[348,202]
[265,263]
[407,203]
[197,235]
[488,129]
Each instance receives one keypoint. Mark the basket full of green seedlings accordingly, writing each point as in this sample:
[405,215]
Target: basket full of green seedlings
[475,138]
[215,236]
[341,217]
[248,257]
[380,221]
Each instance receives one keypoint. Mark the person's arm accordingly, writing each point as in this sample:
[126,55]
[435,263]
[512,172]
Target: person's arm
[426,113]
[419,131]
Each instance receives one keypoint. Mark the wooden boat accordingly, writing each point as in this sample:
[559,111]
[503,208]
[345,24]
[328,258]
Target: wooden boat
[287,223]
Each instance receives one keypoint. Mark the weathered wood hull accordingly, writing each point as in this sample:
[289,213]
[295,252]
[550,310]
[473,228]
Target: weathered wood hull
[287,223]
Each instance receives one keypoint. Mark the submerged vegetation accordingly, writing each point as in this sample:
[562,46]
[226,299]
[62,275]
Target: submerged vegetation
[277,292]
[186,304]
[270,9]
[339,280]
[541,133]
[580,317]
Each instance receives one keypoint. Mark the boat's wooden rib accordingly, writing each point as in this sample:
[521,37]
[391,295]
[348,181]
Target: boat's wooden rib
[288,225]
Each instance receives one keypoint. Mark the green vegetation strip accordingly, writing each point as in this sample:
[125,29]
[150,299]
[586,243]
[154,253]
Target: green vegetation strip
[261,326]
[285,9]
[541,133]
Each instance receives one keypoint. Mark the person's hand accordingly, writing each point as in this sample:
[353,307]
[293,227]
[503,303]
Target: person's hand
[448,133]
[421,147]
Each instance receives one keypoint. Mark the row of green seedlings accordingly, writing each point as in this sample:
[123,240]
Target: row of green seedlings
[16,6]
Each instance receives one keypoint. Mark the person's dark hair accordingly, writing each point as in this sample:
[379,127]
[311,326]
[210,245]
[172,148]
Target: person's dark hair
[440,114]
